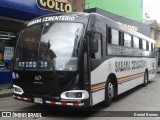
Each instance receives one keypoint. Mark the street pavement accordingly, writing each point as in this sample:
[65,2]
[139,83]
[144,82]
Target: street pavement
[6,90]
[139,99]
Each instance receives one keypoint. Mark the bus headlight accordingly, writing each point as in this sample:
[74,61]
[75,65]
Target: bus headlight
[75,94]
[18,90]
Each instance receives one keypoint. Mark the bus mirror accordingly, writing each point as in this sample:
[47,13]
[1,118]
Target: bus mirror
[94,46]
[93,41]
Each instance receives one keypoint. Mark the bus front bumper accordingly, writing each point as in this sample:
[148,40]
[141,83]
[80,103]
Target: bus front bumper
[51,101]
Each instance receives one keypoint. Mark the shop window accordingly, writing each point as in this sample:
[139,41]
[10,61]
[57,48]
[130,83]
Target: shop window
[7,45]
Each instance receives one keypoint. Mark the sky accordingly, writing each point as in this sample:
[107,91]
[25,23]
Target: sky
[152,8]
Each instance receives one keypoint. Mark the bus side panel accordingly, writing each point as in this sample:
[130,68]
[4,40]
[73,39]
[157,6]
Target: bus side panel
[98,82]
[98,97]
[151,68]
[137,76]
[98,79]
[129,85]
[129,73]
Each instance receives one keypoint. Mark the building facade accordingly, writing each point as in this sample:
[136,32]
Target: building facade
[154,31]
[132,9]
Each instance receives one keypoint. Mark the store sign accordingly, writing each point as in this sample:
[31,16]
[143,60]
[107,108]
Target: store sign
[129,26]
[55,5]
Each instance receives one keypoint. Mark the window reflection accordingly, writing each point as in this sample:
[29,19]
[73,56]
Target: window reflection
[63,39]
[49,46]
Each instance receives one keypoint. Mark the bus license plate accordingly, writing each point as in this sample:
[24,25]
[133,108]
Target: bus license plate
[38,100]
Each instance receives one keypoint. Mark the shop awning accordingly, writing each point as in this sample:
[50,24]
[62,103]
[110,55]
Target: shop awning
[20,9]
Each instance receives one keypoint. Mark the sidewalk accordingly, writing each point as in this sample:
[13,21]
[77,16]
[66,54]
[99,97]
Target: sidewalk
[6,90]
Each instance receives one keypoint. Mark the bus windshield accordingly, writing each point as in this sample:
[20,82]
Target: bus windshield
[49,46]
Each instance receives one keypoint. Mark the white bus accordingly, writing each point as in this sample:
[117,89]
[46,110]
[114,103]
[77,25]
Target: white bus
[79,60]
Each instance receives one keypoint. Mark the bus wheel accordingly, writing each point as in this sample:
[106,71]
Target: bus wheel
[145,79]
[109,93]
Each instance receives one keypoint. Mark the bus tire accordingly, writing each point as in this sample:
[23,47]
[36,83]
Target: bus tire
[109,93]
[145,79]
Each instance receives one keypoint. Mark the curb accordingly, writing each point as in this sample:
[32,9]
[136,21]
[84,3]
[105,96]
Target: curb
[6,94]
[6,90]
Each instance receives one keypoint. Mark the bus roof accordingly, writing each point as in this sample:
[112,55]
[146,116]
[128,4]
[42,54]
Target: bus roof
[83,17]
[125,29]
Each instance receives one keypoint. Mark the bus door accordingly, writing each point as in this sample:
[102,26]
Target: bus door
[95,53]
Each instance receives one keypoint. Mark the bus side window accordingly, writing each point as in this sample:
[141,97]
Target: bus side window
[136,42]
[150,46]
[98,54]
[140,44]
[127,40]
[144,44]
[109,35]
[113,36]
[147,45]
